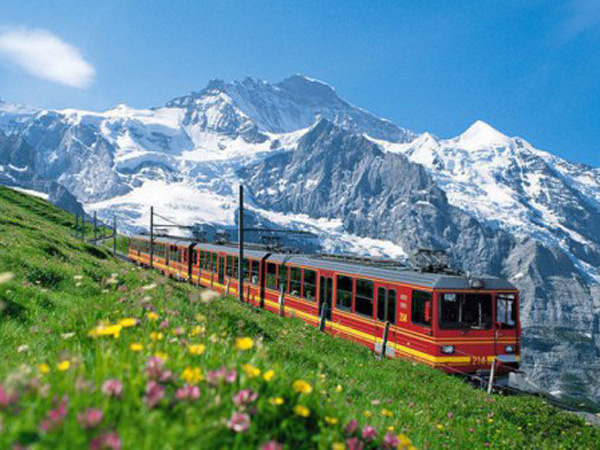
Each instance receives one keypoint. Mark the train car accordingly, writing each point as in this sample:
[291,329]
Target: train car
[450,322]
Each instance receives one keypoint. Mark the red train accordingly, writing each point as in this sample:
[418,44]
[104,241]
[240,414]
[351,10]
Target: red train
[453,323]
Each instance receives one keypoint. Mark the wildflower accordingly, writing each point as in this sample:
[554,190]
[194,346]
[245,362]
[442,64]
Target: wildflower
[354,444]
[152,316]
[63,365]
[156,336]
[155,371]
[368,414]
[43,368]
[200,317]
[239,422]
[302,387]
[90,418]
[6,277]
[163,324]
[214,377]
[405,442]
[136,347]
[230,376]
[162,355]
[154,394]
[369,433]
[187,392]
[192,375]
[244,343]
[198,329]
[67,335]
[338,446]
[112,388]
[440,426]
[268,375]
[106,441]
[351,427]
[301,411]
[251,371]
[129,322]
[179,331]
[272,445]
[244,397]
[338,388]
[7,399]
[106,330]
[83,385]
[387,413]
[55,417]
[331,420]
[276,401]
[196,349]
[390,441]
[22,348]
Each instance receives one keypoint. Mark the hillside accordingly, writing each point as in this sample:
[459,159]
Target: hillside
[96,350]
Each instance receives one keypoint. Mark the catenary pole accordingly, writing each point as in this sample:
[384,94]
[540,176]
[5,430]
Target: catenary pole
[95,227]
[241,246]
[152,236]
[114,235]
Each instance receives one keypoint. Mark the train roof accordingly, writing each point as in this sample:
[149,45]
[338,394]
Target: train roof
[396,274]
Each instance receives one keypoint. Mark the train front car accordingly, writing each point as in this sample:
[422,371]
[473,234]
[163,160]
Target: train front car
[476,325]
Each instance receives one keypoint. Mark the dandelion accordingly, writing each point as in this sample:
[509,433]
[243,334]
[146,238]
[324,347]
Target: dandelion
[387,413]
[268,375]
[245,397]
[440,426]
[192,375]
[302,387]
[276,401]
[187,392]
[112,388]
[43,368]
[63,365]
[239,422]
[331,420]
[369,433]
[196,349]
[251,371]
[106,330]
[136,347]
[129,322]
[404,441]
[106,441]
[244,343]
[90,418]
[156,336]
[152,316]
[301,410]
[154,394]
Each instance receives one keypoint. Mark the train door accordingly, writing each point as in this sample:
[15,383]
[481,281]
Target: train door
[221,270]
[326,296]
[386,313]
[505,326]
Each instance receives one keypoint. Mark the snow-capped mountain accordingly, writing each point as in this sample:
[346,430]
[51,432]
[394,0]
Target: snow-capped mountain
[313,161]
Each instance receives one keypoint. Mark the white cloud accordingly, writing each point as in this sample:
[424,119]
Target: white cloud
[45,55]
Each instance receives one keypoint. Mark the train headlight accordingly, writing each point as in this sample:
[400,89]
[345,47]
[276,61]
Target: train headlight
[510,349]
[447,349]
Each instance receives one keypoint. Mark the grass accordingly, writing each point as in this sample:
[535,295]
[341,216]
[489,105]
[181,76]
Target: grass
[62,289]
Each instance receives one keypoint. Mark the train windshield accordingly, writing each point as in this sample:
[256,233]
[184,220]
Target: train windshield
[466,311]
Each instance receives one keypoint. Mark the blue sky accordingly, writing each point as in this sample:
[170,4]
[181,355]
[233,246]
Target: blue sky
[530,68]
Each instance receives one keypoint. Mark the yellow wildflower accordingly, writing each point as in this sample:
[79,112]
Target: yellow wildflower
[338,446]
[106,330]
[331,420]
[440,426]
[192,375]
[43,368]
[244,343]
[268,375]
[198,329]
[302,386]
[156,336]
[200,317]
[368,414]
[276,401]
[63,365]
[196,349]
[301,411]
[161,355]
[338,388]
[404,441]
[152,315]
[251,371]
[136,347]
[129,322]
[387,413]
[390,429]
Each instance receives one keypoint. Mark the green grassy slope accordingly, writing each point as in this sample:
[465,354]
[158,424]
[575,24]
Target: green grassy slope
[61,289]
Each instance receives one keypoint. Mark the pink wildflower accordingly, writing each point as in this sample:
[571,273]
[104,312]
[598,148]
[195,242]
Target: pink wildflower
[163,324]
[215,377]
[188,392]
[7,399]
[155,370]
[230,376]
[154,394]
[272,445]
[55,417]
[90,418]
[351,427]
[390,441]
[244,397]
[106,441]
[112,388]
[239,422]
[354,444]
[369,433]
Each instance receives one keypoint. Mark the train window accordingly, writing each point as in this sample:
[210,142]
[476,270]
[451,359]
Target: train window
[391,316]
[506,312]
[421,308]
[364,297]
[282,282]
[309,285]
[246,268]
[229,267]
[214,262]
[295,281]
[272,276]
[459,310]
[254,272]
[236,270]
[345,292]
